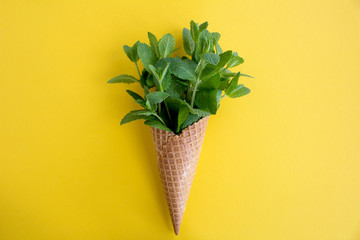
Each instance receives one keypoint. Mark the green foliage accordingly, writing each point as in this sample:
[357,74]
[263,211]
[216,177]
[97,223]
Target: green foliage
[156,123]
[134,95]
[187,88]
[211,58]
[154,43]
[166,45]
[136,114]
[147,55]
[181,69]
[189,44]
[131,52]
[157,97]
[123,78]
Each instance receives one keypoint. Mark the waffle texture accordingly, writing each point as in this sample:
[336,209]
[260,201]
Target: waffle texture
[177,160]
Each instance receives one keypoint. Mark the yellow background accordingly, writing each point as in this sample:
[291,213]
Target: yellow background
[281,163]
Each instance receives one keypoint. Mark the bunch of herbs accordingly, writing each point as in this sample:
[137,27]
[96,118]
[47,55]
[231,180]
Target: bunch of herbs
[180,91]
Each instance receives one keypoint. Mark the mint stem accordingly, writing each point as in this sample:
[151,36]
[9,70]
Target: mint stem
[194,92]
[137,68]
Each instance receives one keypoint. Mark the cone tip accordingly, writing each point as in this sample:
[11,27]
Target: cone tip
[177,229]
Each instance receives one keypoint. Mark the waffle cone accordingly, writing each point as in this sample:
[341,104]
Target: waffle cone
[177,160]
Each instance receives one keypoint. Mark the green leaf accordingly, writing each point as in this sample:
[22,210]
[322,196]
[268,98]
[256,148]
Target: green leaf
[154,43]
[224,58]
[181,69]
[147,55]
[245,75]
[211,58]
[134,95]
[175,105]
[183,113]
[135,115]
[154,72]
[194,28]
[215,36]
[166,80]
[134,54]
[157,97]
[235,61]
[224,83]
[166,45]
[199,112]
[206,100]
[156,123]
[192,64]
[232,85]
[218,98]
[203,44]
[218,48]
[176,89]
[127,50]
[210,71]
[123,78]
[210,83]
[239,91]
[228,73]
[189,44]
[203,26]
[142,103]
[150,81]
[191,119]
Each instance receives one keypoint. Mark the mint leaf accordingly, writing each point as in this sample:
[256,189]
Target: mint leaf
[166,45]
[211,58]
[191,118]
[134,54]
[123,78]
[203,44]
[147,55]
[218,48]
[194,28]
[192,64]
[189,44]
[199,112]
[176,89]
[210,70]
[135,115]
[224,83]
[134,95]
[215,36]
[142,103]
[181,69]
[166,80]
[154,43]
[183,113]
[245,75]
[224,58]
[127,50]
[210,83]
[156,123]
[157,97]
[203,26]
[232,85]
[235,61]
[239,91]
[206,100]
[177,109]
[150,81]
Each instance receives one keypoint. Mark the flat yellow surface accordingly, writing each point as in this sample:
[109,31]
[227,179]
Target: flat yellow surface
[282,163]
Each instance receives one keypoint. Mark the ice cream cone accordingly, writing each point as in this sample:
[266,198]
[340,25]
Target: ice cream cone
[177,160]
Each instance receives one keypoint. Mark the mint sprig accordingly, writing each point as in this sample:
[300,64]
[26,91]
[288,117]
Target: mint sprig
[179,91]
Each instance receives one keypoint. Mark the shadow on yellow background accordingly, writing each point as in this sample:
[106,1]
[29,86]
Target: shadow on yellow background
[281,163]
